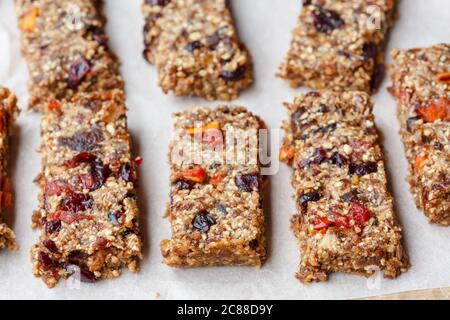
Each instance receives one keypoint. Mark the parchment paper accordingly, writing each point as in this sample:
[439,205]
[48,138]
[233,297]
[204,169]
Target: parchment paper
[265,26]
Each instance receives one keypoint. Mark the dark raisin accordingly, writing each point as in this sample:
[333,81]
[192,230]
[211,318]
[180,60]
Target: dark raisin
[303,163]
[77,72]
[247,182]
[306,2]
[329,128]
[194,45]
[345,54]
[370,50]
[113,217]
[213,40]
[325,20]
[46,262]
[182,185]
[98,34]
[410,123]
[222,209]
[307,197]
[127,232]
[100,173]
[78,258]
[320,155]
[160,3]
[203,221]
[76,202]
[377,77]
[234,75]
[53,226]
[363,168]
[127,172]
[437,145]
[87,276]
[82,141]
[50,245]
[323,108]
[350,196]
[338,159]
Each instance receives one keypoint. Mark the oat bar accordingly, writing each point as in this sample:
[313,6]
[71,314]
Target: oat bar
[8,113]
[66,48]
[88,212]
[215,201]
[195,48]
[421,86]
[345,220]
[338,44]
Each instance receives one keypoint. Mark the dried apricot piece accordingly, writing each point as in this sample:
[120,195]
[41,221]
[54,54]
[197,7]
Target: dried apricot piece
[196,174]
[217,178]
[419,162]
[435,110]
[28,21]
[286,153]
[211,125]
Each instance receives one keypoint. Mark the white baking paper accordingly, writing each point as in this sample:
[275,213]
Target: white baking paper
[265,26]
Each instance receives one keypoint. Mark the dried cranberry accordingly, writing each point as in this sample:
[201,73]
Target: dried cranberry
[338,159]
[82,141]
[203,221]
[234,75]
[359,213]
[370,50]
[410,123]
[84,157]
[247,182]
[53,226]
[46,262]
[307,197]
[161,3]
[182,185]
[350,196]
[100,173]
[77,72]
[50,245]
[194,45]
[76,202]
[363,168]
[127,172]
[326,20]
[320,155]
[87,276]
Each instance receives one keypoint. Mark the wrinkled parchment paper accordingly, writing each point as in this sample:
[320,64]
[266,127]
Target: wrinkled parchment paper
[265,26]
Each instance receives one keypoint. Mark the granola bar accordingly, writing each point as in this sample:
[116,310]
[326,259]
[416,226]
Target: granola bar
[421,86]
[345,220]
[215,201]
[195,48]
[66,48]
[338,45]
[8,113]
[88,210]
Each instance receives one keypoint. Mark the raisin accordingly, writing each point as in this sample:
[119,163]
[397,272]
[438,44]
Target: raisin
[325,20]
[303,163]
[247,182]
[98,34]
[182,185]
[46,262]
[306,2]
[78,258]
[213,40]
[320,155]
[222,209]
[350,196]
[100,173]
[410,123]
[203,221]
[82,141]
[127,172]
[53,226]
[160,3]
[377,76]
[113,217]
[127,232]
[87,276]
[76,202]
[234,75]
[323,108]
[363,168]
[50,245]
[77,72]
[370,50]
[329,128]
[307,197]
[338,159]
[194,45]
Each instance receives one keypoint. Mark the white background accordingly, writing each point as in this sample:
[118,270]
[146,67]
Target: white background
[265,26]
